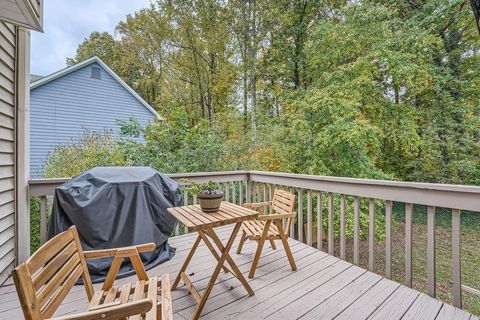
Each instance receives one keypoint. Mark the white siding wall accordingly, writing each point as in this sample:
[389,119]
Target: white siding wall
[7,149]
[62,108]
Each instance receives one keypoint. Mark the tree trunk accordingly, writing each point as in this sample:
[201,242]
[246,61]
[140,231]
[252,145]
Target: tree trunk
[253,72]
[201,97]
[245,100]
[296,67]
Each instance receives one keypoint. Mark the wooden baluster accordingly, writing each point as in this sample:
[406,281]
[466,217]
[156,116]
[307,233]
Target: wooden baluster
[342,227]
[309,217]
[292,225]
[271,190]
[265,197]
[388,239]
[252,193]
[43,219]
[259,192]
[356,231]
[248,191]
[185,203]
[319,221]
[371,234]
[240,189]
[431,251]
[194,200]
[284,221]
[456,262]
[330,223]
[300,215]
[227,191]
[234,192]
[408,244]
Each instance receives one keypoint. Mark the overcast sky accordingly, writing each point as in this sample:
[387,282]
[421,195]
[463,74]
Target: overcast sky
[68,22]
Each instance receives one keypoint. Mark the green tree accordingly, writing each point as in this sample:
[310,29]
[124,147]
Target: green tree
[100,44]
[377,88]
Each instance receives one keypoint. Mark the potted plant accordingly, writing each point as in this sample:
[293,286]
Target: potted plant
[208,194]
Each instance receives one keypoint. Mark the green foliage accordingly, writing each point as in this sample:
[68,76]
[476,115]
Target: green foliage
[370,89]
[92,149]
[100,44]
[130,128]
[34,224]
[209,187]
[174,146]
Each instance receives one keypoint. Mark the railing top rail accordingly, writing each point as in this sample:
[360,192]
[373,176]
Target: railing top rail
[40,181]
[46,186]
[462,197]
[361,181]
[430,194]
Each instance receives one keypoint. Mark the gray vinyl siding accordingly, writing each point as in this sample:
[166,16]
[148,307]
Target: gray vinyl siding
[63,108]
[7,149]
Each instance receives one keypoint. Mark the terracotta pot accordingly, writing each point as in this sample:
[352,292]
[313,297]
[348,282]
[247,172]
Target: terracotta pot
[210,202]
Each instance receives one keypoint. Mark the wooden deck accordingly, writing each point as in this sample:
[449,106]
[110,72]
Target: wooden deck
[324,287]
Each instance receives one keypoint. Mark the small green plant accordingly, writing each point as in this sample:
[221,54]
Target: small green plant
[209,188]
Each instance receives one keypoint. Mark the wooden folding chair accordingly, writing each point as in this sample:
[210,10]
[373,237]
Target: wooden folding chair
[269,226]
[46,278]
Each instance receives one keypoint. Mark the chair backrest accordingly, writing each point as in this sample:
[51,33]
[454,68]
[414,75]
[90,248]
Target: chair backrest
[45,279]
[283,201]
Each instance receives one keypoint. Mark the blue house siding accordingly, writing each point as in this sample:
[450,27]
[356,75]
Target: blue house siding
[61,109]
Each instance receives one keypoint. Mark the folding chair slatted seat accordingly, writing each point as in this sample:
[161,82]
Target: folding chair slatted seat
[269,226]
[254,230]
[46,278]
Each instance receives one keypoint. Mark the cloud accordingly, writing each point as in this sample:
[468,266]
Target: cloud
[68,22]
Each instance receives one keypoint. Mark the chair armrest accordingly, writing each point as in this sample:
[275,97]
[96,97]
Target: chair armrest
[276,216]
[116,312]
[166,308]
[253,205]
[125,251]
[119,254]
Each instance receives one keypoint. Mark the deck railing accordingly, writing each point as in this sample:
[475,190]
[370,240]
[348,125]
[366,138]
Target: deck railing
[337,197]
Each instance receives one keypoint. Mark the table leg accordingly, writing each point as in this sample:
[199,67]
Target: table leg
[230,261]
[210,247]
[185,264]
[221,261]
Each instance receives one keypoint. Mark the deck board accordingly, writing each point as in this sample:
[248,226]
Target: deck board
[324,287]
[370,301]
[343,298]
[424,307]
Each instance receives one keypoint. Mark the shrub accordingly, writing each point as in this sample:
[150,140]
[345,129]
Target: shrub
[91,150]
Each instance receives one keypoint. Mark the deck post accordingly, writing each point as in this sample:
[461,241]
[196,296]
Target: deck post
[456,260]
[408,244]
[431,251]
[22,145]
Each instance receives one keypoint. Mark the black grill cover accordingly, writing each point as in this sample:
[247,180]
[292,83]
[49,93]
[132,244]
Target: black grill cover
[117,207]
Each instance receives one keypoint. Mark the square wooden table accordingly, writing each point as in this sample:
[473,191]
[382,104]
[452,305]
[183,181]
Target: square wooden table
[203,223]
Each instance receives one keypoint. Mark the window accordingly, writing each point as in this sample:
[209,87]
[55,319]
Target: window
[95,73]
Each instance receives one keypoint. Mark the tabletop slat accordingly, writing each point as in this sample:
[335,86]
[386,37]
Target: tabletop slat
[235,210]
[195,219]
[183,217]
[204,216]
[191,212]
